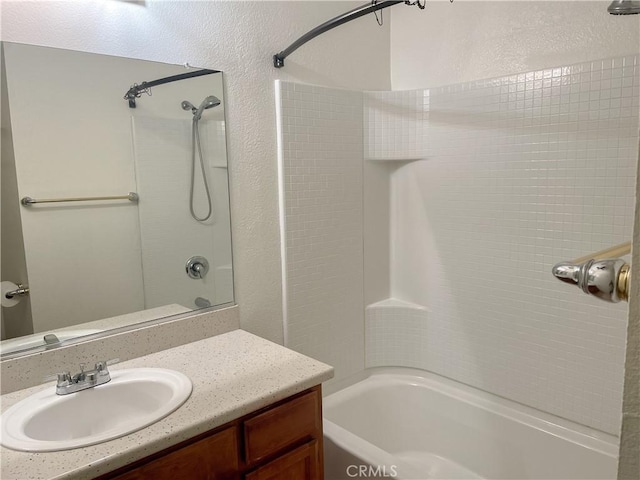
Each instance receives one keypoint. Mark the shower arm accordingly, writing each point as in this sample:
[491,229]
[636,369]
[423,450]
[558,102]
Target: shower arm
[278,58]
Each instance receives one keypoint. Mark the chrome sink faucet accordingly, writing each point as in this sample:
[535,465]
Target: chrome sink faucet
[84,379]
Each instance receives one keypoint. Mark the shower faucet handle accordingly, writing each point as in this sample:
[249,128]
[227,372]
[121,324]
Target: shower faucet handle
[606,279]
[197,267]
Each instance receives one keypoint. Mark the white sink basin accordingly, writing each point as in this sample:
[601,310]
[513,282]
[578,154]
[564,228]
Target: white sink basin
[133,399]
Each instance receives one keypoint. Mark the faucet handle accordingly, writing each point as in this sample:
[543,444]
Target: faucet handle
[606,279]
[101,367]
[60,377]
[113,361]
[64,377]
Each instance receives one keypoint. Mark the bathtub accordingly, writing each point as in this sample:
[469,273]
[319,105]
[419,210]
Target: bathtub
[410,424]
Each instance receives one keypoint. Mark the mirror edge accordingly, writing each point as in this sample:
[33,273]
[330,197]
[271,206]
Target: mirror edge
[26,352]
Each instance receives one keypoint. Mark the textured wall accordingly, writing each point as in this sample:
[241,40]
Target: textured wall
[240,39]
[321,184]
[468,40]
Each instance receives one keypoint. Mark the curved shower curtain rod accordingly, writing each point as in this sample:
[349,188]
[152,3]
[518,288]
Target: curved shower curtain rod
[137,90]
[278,58]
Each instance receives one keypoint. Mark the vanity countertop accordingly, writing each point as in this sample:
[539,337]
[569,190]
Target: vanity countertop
[233,374]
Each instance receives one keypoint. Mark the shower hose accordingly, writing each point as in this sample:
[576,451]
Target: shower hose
[197,150]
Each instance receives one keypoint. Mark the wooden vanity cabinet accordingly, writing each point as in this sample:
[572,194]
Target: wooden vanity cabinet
[213,457]
[301,463]
[280,442]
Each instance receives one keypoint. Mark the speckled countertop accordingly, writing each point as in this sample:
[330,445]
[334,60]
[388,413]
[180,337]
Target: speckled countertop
[233,374]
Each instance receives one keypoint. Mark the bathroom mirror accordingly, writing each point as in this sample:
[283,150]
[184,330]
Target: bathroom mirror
[110,215]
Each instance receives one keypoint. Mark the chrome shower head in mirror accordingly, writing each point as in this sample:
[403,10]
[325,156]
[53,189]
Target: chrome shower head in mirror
[209,102]
[624,7]
[186,105]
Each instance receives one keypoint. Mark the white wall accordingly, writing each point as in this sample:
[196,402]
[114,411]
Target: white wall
[240,39]
[474,39]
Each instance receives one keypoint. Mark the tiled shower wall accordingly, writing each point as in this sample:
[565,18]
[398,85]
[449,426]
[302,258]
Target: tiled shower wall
[512,175]
[162,153]
[520,172]
[321,181]
[394,125]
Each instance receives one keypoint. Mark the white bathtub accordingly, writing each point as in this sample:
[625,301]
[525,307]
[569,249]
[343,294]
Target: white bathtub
[409,424]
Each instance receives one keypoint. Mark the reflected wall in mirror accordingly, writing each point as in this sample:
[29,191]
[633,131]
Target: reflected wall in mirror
[94,265]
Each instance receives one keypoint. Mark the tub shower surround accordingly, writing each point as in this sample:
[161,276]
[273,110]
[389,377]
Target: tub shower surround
[395,334]
[491,183]
[320,160]
[394,125]
[161,147]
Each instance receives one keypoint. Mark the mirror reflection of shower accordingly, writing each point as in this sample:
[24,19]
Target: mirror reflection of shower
[196,150]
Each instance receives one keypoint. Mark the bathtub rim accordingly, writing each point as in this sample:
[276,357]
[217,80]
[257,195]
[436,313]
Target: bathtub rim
[568,430]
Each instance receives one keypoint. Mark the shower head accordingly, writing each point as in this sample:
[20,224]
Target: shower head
[208,102]
[186,105]
[624,7]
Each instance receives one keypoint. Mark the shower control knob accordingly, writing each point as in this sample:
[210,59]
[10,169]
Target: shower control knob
[606,279]
[197,267]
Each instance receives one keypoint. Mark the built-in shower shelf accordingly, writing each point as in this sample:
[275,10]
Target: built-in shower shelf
[396,303]
[393,159]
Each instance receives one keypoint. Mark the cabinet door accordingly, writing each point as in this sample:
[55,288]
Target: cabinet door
[303,463]
[213,458]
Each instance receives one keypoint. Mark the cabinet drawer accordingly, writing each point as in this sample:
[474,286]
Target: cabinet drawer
[213,458]
[301,463]
[282,426]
